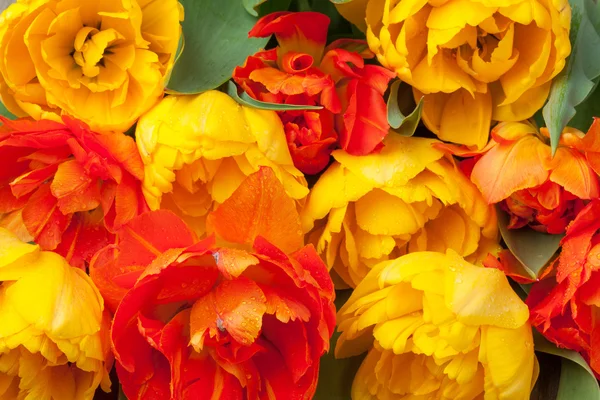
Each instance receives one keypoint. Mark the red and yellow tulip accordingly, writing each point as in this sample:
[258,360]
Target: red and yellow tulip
[247,316]
[198,149]
[474,62]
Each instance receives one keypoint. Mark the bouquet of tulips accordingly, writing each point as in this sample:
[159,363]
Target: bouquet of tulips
[299,199]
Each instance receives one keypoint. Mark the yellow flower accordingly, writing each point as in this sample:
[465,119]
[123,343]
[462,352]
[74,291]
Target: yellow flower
[407,198]
[475,61]
[198,149]
[103,62]
[54,341]
[437,327]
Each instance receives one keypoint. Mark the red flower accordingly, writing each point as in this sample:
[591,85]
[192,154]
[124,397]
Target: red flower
[65,187]
[565,307]
[302,71]
[213,321]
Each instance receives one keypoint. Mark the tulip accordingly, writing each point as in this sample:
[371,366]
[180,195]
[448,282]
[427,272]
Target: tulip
[303,71]
[54,335]
[198,149]
[244,314]
[102,62]
[473,62]
[436,326]
[406,198]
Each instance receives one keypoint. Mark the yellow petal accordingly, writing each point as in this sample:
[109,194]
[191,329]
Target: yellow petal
[380,213]
[466,119]
[524,107]
[355,12]
[11,250]
[483,296]
[509,361]
[400,160]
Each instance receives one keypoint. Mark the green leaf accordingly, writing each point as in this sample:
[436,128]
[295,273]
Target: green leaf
[336,376]
[573,85]
[263,7]
[340,1]
[216,41]
[586,111]
[5,113]
[577,381]
[121,394]
[404,125]
[252,5]
[532,248]
[246,100]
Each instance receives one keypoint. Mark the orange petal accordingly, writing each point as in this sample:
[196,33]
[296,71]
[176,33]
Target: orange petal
[32,180]
[85,199]
[259,207]
[126,201]
[124,150]
[233,262]
[283,305]
[241,304]
[570,169]
[504,169]
[203,318]
[150,234]
[70,178]
[43,219]
[83,238]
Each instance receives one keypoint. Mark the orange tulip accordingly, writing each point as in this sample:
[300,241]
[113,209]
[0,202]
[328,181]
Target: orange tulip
[517,170]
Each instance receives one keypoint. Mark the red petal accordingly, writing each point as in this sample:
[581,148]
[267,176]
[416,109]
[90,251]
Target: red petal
[291,341]
[30,181]
[83,238]
[303,32]
[365,119]
[150,234]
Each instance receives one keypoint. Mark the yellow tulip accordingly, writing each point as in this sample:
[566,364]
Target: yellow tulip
[474,61]
[54,337]
[198,149]
[407,198]
[103,62]
[437,327]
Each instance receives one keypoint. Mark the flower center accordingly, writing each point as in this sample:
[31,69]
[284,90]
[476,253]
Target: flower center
[90,46]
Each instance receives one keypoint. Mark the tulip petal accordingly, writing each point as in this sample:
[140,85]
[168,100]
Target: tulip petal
[466,118]
[475,304]
[297,32]
[240,305]
[505,169]
[259,207]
